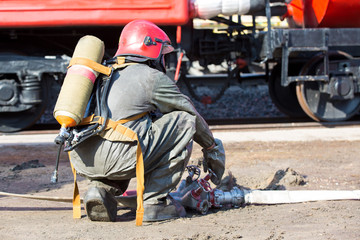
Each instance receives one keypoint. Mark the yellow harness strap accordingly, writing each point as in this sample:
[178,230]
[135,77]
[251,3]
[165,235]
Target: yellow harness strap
[117,126]
[91,64]
[76,196]
[120,63]
[109,123]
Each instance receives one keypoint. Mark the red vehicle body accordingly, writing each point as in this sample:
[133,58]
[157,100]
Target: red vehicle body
[317,54]
[326,13]
[61,13]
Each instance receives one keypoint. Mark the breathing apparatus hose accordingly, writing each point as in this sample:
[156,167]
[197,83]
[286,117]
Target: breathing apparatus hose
[54,177]
[59,140]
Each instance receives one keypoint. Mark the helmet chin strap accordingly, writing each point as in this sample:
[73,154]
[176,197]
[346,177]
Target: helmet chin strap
[162,63]
[158,64]
[161,59]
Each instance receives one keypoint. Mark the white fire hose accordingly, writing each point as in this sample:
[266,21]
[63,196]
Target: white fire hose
[250,196]
[196,193]
[284,196]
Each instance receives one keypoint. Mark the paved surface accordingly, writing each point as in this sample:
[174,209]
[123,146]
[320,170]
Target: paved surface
[350,133]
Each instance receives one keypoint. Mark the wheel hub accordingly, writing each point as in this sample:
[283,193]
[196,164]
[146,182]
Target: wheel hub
[21,104]
[8,92]
[341,87]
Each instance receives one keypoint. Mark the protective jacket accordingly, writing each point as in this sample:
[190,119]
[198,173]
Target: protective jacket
[165,142]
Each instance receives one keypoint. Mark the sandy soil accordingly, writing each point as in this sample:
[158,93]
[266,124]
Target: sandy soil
[332,165]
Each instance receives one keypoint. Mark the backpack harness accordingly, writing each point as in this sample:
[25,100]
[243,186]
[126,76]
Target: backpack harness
[107,129]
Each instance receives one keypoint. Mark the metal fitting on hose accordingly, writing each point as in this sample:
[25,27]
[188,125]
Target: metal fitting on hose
[234,197]
[63,135]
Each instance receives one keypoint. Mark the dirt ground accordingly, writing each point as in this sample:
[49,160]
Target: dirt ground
[328,165]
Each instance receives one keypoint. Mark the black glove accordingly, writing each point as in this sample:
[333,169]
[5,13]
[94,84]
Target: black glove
[214,159]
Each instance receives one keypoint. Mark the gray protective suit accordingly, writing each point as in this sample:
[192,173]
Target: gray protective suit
[166,142]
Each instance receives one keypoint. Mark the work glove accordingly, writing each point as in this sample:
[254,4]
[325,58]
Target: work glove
[214,159]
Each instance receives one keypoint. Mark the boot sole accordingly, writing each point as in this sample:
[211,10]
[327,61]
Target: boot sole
[97,212]
[100,205]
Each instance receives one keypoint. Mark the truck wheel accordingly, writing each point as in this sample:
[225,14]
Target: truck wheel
[315,99]
[284,98]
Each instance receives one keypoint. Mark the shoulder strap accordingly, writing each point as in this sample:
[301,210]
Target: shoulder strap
[91,64]
[120,63]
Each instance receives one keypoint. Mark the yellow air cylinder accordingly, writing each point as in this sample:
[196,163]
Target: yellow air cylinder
[79,81]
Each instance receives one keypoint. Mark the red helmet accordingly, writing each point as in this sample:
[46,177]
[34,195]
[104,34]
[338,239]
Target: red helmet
[144,39]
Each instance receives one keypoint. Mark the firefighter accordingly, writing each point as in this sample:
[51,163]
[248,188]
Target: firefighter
[166,142]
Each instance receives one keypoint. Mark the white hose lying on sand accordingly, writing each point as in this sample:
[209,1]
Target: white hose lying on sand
[284,196]
[250,196]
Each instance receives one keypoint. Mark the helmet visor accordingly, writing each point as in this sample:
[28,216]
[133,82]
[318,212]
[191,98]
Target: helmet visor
[167,48]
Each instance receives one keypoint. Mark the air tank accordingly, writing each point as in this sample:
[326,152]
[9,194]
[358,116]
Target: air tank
[78,83]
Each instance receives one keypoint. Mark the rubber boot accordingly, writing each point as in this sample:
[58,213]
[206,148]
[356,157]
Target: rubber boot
[100,205]
[169,209]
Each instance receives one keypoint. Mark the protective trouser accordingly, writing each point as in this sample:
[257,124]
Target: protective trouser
[166,150]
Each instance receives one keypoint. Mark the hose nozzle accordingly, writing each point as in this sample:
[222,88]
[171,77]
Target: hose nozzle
[59,140]
[54,177]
